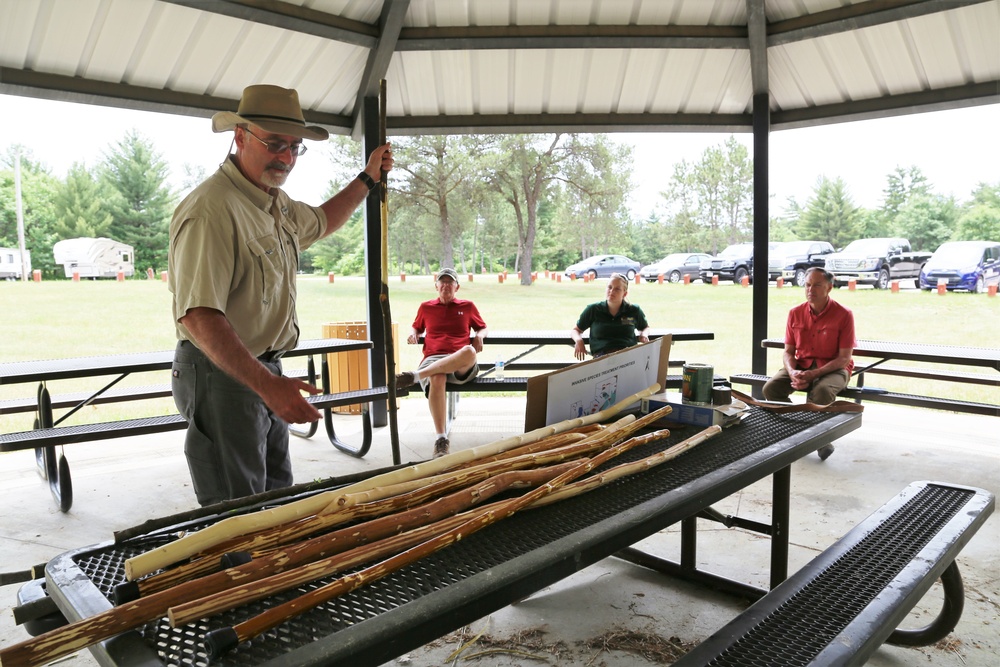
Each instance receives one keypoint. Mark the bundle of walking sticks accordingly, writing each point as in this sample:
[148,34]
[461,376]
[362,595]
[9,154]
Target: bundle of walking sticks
[371,528]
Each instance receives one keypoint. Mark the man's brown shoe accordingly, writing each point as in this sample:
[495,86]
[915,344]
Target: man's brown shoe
[404,381]
[441,447]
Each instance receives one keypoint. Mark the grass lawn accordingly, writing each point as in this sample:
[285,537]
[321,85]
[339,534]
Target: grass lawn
[56,319]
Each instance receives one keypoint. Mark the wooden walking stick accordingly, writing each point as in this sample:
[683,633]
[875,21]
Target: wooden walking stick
[206,538]
[364,543]
[383,297]
[225,639]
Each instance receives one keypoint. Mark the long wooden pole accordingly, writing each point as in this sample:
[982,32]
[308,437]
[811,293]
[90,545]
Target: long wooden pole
[376,538]
[383,297]
[206,538]
[225,639]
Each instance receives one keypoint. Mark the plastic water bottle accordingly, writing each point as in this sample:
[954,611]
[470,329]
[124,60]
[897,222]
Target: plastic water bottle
[498,368]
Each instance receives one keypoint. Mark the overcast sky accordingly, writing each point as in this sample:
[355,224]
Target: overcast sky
[956,150]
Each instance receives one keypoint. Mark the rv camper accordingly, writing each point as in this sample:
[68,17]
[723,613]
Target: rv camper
[94,258]
[10,264]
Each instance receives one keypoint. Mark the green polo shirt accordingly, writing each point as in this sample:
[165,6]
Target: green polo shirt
[610,333]
[235,248]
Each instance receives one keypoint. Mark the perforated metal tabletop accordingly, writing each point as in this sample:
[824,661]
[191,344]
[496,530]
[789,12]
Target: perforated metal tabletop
[470,579]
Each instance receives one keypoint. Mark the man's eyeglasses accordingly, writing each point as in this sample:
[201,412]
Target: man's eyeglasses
[279,146]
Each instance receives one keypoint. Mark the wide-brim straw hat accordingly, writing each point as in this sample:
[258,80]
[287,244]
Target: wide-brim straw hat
[272,108]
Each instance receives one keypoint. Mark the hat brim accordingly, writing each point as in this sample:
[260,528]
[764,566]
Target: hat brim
[227,120]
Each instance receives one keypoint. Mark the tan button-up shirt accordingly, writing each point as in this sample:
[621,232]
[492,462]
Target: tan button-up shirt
[235,248]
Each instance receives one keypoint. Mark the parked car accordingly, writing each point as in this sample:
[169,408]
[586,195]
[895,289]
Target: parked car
[966,265]
[602,266]
[734,263]
[876,262]
[675,266]
[791,260]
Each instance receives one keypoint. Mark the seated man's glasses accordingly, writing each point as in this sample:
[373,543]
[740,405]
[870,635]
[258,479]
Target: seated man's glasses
[279,146]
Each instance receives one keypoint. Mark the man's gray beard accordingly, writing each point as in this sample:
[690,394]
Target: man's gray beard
[274,178]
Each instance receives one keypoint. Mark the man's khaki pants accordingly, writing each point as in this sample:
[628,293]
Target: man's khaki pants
[822,391]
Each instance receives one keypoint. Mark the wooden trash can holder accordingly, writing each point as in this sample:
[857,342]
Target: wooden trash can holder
[349,370]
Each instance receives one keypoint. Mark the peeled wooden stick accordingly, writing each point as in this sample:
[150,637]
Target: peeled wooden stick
[421,524]
[389,499]
[379,492]
[225,639]
[204,539]
[632,468]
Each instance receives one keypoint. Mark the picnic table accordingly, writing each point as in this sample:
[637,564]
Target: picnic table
[951,355]
[486,570]
[48,430]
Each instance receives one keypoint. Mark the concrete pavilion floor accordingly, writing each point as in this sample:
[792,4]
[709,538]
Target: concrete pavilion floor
[120,483]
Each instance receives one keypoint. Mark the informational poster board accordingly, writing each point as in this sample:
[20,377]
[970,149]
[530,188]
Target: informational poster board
[592,386]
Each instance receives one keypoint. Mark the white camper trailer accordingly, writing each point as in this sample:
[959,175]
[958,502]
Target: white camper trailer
[94,258]
[10,264]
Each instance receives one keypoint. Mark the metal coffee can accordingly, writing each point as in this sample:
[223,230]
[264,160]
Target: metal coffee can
[696,385]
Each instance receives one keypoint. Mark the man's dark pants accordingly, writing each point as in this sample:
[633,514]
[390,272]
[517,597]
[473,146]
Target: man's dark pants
[235,446]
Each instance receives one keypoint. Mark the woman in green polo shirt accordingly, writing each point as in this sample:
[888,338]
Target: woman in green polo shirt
[612,322]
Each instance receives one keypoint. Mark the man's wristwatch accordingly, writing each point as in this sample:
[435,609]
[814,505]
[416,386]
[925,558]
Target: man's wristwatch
[369,182]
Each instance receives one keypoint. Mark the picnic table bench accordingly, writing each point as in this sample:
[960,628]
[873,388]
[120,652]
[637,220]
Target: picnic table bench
[883,352]
[49,433]
[850,599]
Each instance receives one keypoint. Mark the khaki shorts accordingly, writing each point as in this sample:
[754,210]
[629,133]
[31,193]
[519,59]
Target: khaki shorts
[452,377]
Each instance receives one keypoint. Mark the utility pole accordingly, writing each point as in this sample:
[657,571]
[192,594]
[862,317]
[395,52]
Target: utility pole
[20,213]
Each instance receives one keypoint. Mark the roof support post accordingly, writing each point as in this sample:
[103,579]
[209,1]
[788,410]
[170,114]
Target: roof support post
[757,34]
[373,263]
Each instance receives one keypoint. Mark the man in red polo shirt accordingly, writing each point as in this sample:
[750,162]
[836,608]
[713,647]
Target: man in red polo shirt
[819,340]
[449,355]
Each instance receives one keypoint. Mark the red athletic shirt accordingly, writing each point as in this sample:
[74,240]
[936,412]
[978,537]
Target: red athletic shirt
[819,338]
[446,326]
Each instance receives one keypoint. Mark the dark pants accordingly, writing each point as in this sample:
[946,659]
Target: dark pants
[235,446]
[822,391]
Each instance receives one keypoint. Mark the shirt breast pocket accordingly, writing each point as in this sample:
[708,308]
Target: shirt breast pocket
[267,264]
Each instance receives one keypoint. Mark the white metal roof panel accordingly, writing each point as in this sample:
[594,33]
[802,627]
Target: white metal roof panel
[825,63]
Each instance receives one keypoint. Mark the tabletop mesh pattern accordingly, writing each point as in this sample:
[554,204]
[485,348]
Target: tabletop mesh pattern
[508,539]
[804,625]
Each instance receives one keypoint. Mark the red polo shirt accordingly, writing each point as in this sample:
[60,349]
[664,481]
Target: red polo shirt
[446,326]
[818,339]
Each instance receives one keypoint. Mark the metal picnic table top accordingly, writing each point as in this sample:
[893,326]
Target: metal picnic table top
[14,372]
[981,357]
[482,572]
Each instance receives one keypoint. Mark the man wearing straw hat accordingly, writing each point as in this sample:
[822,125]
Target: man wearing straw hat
[234,247]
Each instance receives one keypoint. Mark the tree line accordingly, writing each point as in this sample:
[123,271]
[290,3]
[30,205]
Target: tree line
[487,203]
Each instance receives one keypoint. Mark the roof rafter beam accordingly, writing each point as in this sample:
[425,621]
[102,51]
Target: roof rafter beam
[569,122]
[124,96]
[390,23]
[289,17]
[471,38]
[857,16]
[957,97]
